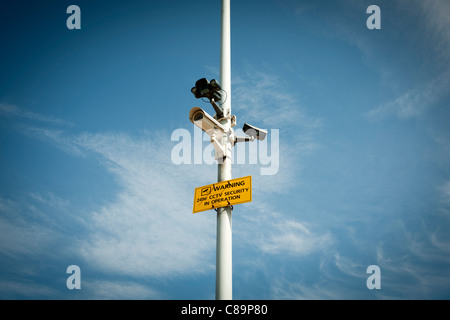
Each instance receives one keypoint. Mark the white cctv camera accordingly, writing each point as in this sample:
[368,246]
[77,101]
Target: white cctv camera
[204,121]
[254,132]
[214,129]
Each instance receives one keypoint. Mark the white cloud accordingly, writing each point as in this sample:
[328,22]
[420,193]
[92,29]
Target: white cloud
[284,289]
[414,102]
[50,199]
[16,112]
[409,276]
[18,235]
[57,138]
[445,192]
[148,229]
[110,290]
[26,289]
[431,36]
[292,238]
[349,267]
[423,27]
[437,22]
[262,98]
[23,238]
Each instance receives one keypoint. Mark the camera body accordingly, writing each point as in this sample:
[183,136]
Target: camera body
[204,121]
[254,132]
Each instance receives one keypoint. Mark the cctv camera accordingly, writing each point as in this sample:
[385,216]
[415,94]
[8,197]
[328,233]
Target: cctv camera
[215,84]
[205,89]
[254,132]
[204,121]
[213,128]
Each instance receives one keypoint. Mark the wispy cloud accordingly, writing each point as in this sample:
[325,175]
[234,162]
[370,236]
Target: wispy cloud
[22,232]
[413,103]
[26,290]
[110,290]
[284,289]
[13,111]
[432,40]
[436,22]
[34,227]
[294,238]
[148,228]
[262,98]
[57,138]
[445,193]
[424,28]
[408,275]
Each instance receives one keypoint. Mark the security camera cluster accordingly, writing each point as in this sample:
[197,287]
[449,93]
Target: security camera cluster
[212,91]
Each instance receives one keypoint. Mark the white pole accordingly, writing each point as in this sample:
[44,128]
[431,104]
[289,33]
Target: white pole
[224,281]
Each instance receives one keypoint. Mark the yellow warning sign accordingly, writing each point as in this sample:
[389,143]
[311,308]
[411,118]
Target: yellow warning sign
[222,194]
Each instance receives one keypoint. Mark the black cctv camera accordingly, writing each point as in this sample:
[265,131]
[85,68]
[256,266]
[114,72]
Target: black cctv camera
[210,90]
[205,89]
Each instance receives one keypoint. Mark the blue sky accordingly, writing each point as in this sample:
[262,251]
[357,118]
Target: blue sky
[87,179]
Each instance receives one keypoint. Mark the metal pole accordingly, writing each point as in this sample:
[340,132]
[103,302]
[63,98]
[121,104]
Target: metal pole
[224,286]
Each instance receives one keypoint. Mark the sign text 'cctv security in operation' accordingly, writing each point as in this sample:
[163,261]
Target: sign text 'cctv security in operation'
[222,194]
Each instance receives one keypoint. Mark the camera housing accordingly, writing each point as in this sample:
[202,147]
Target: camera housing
[254,132]
[210,90]
[205,89]
[204,121]
[214,129]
